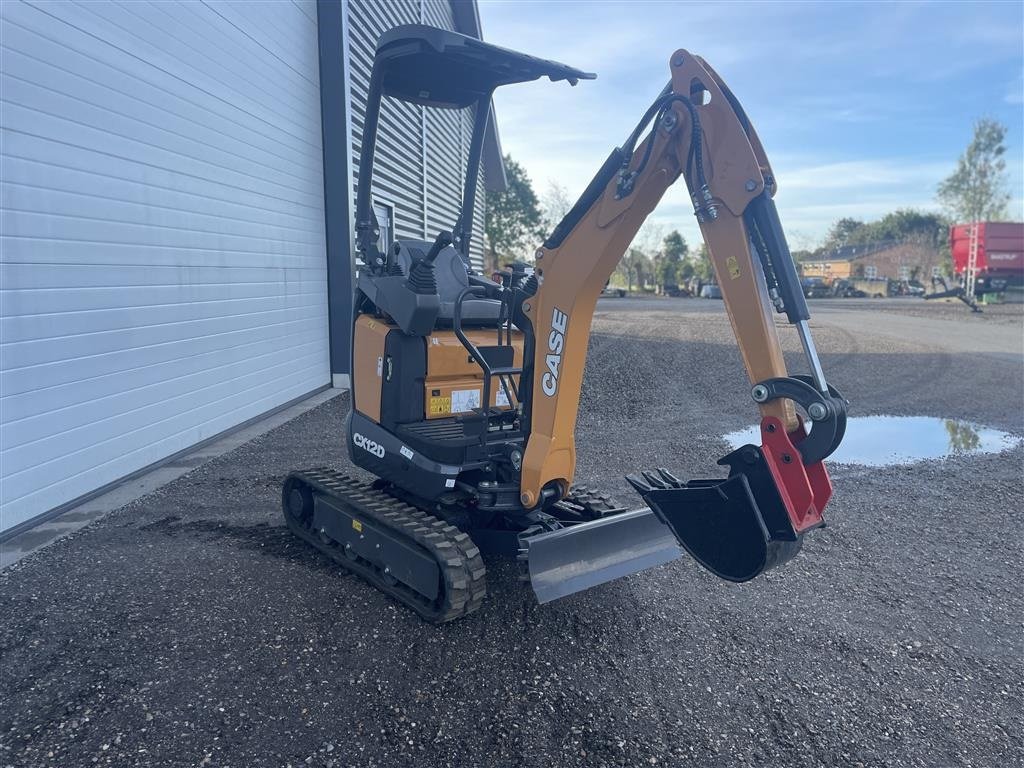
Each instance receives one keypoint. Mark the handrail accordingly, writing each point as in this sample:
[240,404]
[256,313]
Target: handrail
[474,351]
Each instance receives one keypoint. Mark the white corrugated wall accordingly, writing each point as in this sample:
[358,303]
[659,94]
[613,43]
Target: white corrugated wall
[162,274]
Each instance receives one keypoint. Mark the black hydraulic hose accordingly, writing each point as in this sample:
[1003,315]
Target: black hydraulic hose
[696,138]
[695,155]
[630,143]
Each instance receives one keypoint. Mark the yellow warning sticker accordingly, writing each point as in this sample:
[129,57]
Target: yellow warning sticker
[733,266]
[440,405]
[357,525]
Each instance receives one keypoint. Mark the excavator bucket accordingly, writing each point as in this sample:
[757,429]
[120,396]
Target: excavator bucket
[581,556]
[721,524]
[741,526]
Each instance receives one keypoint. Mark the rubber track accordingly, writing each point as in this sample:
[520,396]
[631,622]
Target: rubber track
[457,557]
[596,503]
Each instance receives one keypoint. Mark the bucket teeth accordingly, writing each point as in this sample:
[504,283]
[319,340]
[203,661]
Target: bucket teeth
[638,483]
[669,478]
[649,481]
[652,479]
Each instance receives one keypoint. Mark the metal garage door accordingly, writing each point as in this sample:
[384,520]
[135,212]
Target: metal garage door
[163,259]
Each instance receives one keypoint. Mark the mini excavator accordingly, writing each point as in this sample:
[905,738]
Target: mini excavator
[466,389]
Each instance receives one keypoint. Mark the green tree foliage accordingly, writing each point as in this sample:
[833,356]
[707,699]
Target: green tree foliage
[903,225]
[639,264]
[840,233]
[977,189]
[636,268]
[702,266]
[962,437]
[554,204]
[512,219]
[673,253]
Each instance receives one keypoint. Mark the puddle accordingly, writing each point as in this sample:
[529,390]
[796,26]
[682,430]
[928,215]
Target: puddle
[879,441]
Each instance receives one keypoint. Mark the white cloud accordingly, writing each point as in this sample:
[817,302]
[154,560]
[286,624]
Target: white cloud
[858,174]
[862,108]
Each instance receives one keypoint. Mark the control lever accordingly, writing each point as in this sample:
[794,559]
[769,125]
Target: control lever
[443,240]
[421,273]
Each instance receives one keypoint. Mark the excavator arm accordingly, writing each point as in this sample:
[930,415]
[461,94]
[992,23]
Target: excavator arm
[775,492]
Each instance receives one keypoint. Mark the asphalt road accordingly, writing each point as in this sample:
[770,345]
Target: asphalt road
[190,629]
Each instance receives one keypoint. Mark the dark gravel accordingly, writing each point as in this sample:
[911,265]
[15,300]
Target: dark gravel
[190,629]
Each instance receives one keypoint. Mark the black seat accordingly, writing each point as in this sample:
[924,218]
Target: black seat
[452,278]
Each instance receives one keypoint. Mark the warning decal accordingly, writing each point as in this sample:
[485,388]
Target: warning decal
[465,400]
[440,405]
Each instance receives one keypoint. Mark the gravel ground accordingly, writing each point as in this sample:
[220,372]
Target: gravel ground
[944,309]
[190,629]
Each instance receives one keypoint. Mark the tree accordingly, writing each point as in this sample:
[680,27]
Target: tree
[673,251]
[635,267]
[905,225]
[702,266]
[840,234]
[512,219]
[646,243]
[977,189]
[554,204]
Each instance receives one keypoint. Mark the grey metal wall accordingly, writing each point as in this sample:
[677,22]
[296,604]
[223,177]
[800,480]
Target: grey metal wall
[162,252]
[421,153]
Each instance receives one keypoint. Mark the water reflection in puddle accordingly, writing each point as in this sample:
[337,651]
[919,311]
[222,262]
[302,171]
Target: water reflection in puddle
[878,441]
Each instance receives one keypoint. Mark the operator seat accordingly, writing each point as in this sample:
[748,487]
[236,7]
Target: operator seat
[452,278]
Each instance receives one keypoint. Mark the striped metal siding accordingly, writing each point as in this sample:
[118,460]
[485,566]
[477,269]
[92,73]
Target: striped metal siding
[421,153]
[162,261]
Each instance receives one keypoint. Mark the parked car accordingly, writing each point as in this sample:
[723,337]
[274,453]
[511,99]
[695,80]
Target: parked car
[711,291]
[915,288]
[875,287]
[815,288]
[611,290]
[676,291]
[844,289]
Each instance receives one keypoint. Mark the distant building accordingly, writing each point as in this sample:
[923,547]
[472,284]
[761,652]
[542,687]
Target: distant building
[889,260]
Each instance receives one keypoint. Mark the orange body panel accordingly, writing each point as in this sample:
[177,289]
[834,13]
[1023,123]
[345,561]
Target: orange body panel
[451,369]
[447,357]
[451,373]
[368,352]
[573,274]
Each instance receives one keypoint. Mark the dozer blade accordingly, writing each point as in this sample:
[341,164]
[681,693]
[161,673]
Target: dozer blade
[581,556]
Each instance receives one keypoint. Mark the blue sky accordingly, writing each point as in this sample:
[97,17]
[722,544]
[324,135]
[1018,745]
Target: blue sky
[862,107]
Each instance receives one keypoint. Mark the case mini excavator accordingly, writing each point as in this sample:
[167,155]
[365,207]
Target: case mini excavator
[466,390]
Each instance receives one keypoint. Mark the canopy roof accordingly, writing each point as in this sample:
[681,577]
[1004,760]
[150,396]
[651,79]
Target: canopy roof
[435,67]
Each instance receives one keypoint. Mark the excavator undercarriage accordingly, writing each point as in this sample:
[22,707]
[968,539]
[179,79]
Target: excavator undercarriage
[466,389]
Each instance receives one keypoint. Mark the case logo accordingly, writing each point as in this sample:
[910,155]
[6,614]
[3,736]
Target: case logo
[368,445]
[556,342]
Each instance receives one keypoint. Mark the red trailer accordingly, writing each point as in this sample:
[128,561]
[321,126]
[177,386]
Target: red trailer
[999,248]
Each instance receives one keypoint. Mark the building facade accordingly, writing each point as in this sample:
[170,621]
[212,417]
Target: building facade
[891,261]
[176,237]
